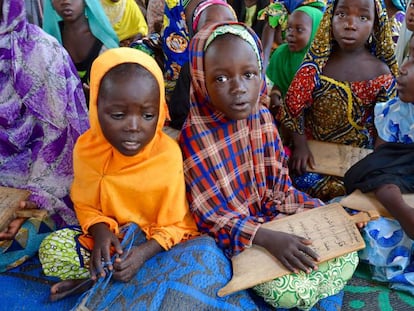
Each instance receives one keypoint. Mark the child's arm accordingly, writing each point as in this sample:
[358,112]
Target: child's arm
[268,36]
[299,97]
[126,267]
[291,250]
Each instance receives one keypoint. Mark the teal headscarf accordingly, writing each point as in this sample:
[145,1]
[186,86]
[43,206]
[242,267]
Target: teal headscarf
[98,23]
[401,5]
[283,63]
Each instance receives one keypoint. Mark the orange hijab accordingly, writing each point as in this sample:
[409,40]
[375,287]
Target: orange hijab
[148,188]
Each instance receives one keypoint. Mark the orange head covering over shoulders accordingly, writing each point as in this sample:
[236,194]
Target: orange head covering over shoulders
[148,188]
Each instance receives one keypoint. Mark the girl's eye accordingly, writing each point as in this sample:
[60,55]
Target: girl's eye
[300,29]
[117,115]
[148,116]
[364,18]
[221,79]
[250,75]
[340,14]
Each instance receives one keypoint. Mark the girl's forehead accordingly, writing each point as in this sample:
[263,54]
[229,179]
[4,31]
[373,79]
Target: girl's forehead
[221,45]
[299,17]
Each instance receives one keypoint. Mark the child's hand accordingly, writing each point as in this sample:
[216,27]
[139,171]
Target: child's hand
[101,255]
[275,101]
[127,266]
[14,226]
[301,156]
[291,250]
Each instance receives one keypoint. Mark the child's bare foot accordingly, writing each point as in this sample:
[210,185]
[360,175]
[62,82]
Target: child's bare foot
[66,288]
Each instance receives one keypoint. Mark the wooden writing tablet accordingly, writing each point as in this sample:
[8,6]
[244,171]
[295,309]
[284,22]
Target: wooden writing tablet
[331,229]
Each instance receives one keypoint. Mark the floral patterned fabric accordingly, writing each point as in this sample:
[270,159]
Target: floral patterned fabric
[304,290]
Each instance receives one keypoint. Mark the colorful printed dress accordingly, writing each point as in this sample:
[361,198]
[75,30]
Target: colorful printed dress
[336,111]
[175,39]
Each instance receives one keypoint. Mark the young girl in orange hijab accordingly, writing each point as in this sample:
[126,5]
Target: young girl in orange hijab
[126,171]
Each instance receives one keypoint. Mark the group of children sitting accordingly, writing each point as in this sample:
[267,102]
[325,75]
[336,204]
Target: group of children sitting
[335,79]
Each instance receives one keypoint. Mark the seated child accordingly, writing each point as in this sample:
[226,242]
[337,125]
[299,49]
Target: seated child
[276,14]
[349,67]
[203,12]
[126,170]
[235,167]
[302,26]
[82,27]
[389,172]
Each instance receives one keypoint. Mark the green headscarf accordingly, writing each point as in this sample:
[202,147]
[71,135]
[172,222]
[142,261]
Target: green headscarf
[283,63]
[99,23]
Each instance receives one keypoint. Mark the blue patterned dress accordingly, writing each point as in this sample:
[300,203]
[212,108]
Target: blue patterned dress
[389,250]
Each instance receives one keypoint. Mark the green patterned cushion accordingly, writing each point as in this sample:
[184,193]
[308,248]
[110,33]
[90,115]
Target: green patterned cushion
[303,290]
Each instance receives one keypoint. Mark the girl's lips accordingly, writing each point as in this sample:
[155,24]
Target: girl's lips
[131,145]
[240,106]
[67,12]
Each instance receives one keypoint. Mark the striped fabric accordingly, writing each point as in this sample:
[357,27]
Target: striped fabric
[236,171]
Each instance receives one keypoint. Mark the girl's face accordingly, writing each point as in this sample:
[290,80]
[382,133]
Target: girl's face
[128,113]
[405,80]
[409,16]
[233,82]
[298,31]
[69,10]
[352,23]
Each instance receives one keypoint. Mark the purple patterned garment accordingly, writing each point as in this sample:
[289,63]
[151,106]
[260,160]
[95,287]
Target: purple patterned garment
[42,112]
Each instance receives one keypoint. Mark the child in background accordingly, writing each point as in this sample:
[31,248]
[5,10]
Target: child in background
[389,172]
[82,27]
[396,15]
[127,20]
[203,12]
[276,15]
[349,67]
[126,170]
[235,167]
[302,26]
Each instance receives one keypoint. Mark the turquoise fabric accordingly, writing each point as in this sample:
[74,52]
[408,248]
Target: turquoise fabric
[98,22]
[26,242]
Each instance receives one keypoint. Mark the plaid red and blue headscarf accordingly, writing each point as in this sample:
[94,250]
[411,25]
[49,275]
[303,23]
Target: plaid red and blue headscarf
[236,170]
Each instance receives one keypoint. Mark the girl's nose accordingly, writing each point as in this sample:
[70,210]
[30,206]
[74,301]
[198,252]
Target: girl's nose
[350,24]
[133,123]
[238,86]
